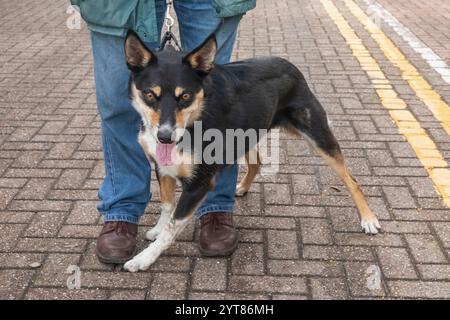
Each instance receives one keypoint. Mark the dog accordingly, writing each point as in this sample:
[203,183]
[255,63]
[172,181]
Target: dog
[171,90]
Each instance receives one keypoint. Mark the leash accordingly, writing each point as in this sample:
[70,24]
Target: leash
[169,38]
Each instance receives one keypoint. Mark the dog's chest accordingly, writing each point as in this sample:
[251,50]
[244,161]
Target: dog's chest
[182,167]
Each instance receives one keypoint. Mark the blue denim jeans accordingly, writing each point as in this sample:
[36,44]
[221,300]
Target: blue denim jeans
[125,190]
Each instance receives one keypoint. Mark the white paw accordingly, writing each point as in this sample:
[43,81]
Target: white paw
[137,263]
[153,233]
[241,191]
[370,226]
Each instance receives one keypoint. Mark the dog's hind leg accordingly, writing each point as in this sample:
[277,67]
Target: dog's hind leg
[335,160]
[311,121]
[193,193]
[167,187]
[253,161]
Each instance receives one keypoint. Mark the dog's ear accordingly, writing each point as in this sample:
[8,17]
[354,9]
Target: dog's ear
[138,56]
[202,58]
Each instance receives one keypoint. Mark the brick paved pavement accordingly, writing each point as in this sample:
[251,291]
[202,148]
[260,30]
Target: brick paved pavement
[300,234]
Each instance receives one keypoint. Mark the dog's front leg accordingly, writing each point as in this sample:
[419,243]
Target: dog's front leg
[167,187]
[167,236]
[189,200]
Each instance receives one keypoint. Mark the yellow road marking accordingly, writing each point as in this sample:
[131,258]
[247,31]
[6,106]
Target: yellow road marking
[422,144]
[421,87]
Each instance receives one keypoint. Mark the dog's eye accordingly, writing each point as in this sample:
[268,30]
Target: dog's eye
[185,96]
[150,96]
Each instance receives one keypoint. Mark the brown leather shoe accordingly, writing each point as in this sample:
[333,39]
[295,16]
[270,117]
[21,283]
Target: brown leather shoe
[218,235]
[116,242]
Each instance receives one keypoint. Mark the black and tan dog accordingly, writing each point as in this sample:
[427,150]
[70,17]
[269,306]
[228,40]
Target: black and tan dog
[171,90]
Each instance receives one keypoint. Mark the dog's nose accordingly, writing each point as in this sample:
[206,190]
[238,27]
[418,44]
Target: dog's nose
[165,135]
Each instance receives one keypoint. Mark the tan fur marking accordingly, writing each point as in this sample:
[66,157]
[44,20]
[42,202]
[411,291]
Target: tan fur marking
[167,187]
[153,117]
[191,113]
[185,165]
[156,90]
[179,91]
[253,160]
[136,54]
[336,162]
[150,116]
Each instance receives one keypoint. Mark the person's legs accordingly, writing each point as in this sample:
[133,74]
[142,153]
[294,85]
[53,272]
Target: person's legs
[125,190]
[197,21]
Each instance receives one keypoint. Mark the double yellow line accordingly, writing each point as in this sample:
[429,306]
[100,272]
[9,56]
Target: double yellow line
[424,147]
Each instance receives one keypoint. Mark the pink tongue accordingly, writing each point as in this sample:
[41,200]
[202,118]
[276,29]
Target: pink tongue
[164,154]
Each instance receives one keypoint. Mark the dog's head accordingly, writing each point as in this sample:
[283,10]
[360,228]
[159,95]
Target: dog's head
[166,86]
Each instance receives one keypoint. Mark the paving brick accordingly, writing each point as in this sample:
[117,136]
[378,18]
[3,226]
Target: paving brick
[210,274]
[62,151]
[305,184]
[362,239]
[19,260]
[172,264]
[15,216]
[277,194]
[128,295]
[50,245]
[10,234]
[248,259]
[305,268]
[54,270]
[168,286]
[14,283]
[434,271]
[248,235]
[315,231]
[380,158]
[35,189]
[268,284]
[405,227]
[345,219]
[53,127]
[425,249]
[45,224]
[282,244]
[295,211]
[83,212]
[39,205]
[12,182]
[443,232]
[23,134]
[77,231]
[395,263]
[72,179]
[399,197]
[265,223]
[422,187]
[422,289]
[115,280]
[227,296]
[328,289]
[364,280]
[339,253]
[65,294]
[6,195]
[32,173]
